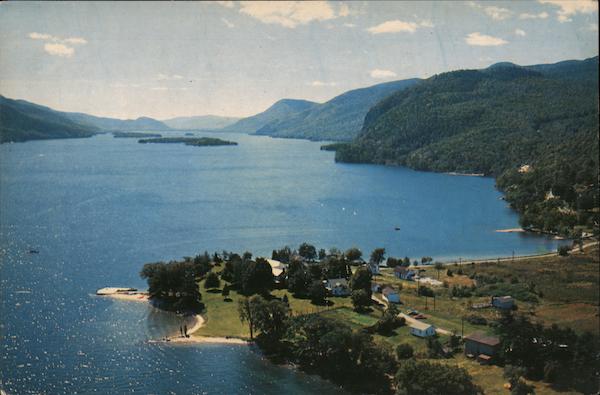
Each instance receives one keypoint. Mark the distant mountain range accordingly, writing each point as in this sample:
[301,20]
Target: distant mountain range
[21,120]
[340,118]
[282,109]
[201,122]
[495,121]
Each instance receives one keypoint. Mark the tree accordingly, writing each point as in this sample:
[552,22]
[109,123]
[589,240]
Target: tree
[426,259]
[404,351]
[257,277]
[426,378]
[247,313]
[270,317]
[322,254]
[361,279]
[298,278]
[307,251]
[317,292]
[360,299]
[438,266]
[353,254]
[212,281]
[377,255]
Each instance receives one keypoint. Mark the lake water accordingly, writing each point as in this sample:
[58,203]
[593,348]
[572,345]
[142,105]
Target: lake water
[98,209]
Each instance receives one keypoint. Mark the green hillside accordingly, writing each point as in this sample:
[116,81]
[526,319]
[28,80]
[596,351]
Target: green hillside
[340,118]
[22,121]
[497,121]
[280,110]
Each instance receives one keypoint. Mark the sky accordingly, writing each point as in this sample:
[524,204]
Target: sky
[168,59]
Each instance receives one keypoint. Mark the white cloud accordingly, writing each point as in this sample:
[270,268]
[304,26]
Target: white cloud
[541,15]
[39,36]
[569,8]
[227,23]
[321,83]
[426,23]
[520,32]
[483,40]
[381,74]
[395,26]
[344,10]
[349,25]
[58,49]
[167,77]
[228,4]
[159,88]
[57,45]
[288,13]
[75,40]
[497,13]
[593,27]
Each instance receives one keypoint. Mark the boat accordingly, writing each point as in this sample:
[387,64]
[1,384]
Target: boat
[397,228]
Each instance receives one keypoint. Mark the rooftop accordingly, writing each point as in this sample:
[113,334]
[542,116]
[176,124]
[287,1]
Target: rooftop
[420,325]
[388,291]
[482,338]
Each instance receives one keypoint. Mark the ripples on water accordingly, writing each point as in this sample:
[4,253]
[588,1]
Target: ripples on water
[97,209]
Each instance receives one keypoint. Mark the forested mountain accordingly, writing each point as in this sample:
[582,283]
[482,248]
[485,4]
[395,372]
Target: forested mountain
[21,121]
[201,122]
[279,110]
[113,124]
[340,118]
[534,128]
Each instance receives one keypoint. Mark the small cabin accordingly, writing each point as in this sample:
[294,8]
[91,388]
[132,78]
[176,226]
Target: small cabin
[481,346]
[391,295]
[503,302]
[404,273]
[337,287]
[422,329]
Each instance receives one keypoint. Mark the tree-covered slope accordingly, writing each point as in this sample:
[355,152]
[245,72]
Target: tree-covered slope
[114,124]
[280,110]
[340,118]
[534,128]
[22,121]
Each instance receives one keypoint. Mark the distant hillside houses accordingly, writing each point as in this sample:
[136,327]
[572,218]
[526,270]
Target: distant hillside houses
[404,273]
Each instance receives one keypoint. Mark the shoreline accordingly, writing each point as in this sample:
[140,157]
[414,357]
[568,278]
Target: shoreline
[197,321]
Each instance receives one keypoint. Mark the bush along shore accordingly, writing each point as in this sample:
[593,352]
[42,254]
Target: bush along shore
[333,314]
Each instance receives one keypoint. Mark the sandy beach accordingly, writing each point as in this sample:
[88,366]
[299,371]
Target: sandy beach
[511,230]
[194,322]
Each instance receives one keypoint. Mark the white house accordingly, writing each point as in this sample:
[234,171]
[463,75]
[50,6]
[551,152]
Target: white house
[422,329]
[278,269]
[338,287]
[391,295]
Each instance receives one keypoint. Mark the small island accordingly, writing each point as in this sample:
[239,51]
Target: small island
[135,135]
[195,141]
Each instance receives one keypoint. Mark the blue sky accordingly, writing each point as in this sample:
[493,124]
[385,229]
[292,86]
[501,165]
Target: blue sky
[237,58]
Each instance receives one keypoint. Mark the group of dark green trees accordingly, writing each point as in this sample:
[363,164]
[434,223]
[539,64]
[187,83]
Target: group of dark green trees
[174,285]
[533,128]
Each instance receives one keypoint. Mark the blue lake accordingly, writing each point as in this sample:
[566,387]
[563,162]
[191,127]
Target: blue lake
[98,209]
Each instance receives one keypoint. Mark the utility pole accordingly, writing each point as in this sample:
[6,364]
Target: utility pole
[513,257]
[462,326]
